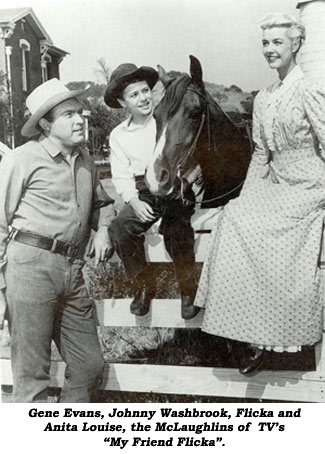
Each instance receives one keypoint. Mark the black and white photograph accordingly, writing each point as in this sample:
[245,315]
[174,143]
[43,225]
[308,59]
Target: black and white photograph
[162,205]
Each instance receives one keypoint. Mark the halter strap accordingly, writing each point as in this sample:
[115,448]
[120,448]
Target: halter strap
[206,116]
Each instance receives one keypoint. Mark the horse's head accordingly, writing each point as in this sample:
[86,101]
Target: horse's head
[180,116]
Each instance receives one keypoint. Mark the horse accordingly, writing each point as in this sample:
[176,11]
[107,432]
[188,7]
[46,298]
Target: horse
[196,141]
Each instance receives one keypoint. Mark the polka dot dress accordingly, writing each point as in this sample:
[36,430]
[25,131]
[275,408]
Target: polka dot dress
[260,282]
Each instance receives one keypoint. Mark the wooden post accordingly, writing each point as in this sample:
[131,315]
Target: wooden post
[312,16]
[320,347]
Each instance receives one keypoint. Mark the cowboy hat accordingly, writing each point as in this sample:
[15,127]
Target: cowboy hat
[42,100]
[124,75]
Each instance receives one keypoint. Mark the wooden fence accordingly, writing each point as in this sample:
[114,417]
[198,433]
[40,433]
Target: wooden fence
[194,380]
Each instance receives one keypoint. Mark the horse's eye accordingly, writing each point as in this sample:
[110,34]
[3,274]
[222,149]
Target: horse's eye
[195,114]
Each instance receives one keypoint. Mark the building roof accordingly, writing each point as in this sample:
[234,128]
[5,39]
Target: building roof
[15,14]
[304,1]
[57,51]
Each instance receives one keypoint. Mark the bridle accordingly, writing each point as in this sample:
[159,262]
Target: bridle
[204,117]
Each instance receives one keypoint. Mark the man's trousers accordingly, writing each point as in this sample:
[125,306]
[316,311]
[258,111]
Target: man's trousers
[47,299]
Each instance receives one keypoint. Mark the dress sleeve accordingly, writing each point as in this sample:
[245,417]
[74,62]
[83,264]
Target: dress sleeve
[122,175]
[313,96]
[260,154]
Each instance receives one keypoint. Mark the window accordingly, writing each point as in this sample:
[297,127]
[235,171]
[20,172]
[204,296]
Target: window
[46,59]
[44,71]
[25,51]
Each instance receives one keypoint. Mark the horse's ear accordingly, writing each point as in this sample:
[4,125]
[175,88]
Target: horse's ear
[163,76]
[196,71]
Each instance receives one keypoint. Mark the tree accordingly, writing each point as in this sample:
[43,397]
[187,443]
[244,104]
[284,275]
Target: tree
[102,119]
[94,91]
[101,122]
[103,71]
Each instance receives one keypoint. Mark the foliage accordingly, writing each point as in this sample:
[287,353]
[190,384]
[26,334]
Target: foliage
[10,121]
[94,90]
[4,110]
[248,104]
[102,119]
[101,122]
[234,88]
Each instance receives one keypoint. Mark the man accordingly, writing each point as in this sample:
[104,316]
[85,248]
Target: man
[50,198]
[132,145]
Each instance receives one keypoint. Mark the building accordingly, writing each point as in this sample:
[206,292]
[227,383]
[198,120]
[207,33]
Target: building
[28,57]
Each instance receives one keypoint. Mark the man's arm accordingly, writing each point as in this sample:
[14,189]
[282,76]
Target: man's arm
[102,215]
[11,187]
[3,306]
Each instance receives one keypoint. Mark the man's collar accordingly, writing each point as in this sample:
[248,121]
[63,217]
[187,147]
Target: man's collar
[52,148]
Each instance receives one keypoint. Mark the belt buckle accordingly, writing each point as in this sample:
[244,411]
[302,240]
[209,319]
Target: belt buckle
[13,233]
[72,252]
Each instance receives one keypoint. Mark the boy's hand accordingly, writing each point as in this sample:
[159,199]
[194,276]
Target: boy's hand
[142,209]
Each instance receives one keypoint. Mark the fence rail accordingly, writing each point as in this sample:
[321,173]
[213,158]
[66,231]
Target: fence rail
[205,381]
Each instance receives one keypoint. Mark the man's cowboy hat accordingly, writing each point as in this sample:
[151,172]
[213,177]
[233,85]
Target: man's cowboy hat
[124,75]
[43,99]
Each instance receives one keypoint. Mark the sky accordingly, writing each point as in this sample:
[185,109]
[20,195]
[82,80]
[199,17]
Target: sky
[224,35]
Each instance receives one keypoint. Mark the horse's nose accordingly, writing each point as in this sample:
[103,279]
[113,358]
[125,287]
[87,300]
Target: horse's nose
[157,178]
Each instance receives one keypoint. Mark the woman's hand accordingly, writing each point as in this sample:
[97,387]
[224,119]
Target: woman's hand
[142,209]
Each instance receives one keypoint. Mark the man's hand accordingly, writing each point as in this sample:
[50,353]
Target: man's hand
[142,210]
[101,246]
[3,306]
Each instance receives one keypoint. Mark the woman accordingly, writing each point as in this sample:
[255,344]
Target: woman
[260,282]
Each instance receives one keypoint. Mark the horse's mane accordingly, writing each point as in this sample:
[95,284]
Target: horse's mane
[175,91]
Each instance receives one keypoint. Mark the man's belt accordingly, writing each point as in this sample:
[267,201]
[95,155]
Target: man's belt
[43,242]
[139,179]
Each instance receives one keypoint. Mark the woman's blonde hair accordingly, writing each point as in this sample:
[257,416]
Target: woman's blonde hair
[295,29]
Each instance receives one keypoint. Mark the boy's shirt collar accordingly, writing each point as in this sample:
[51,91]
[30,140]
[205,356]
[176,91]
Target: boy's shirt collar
[132,126]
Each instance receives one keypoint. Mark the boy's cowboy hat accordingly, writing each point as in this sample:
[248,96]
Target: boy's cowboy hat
[43,99]
[124,75]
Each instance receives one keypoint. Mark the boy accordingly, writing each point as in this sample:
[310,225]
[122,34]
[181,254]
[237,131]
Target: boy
[132,145]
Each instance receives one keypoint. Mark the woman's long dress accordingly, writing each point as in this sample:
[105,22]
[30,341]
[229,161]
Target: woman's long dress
[260,282]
